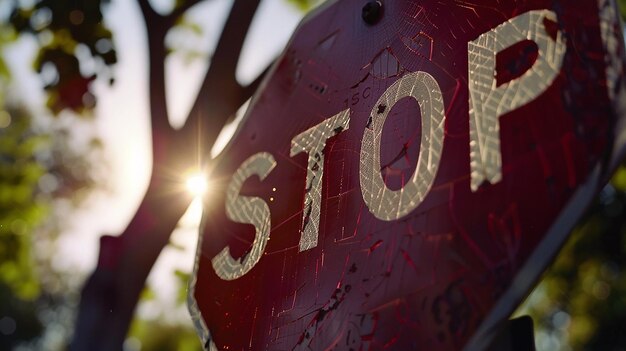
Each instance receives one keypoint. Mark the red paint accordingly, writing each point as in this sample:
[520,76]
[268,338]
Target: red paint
[449,261]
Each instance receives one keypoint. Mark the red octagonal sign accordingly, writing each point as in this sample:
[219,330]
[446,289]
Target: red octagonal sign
[406,172]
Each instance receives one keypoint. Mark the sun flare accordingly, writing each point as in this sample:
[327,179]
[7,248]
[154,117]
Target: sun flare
[197,184]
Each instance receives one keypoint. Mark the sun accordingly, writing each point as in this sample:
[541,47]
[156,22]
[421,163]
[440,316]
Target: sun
[197,184]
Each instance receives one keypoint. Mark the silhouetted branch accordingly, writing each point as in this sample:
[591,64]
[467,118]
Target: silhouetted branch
[226,56]
[156,28]
[220,95]
[148,12]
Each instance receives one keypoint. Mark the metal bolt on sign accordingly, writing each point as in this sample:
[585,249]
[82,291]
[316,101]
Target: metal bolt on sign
[372,11]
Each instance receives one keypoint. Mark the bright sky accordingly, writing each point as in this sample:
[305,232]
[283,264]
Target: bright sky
[122,122]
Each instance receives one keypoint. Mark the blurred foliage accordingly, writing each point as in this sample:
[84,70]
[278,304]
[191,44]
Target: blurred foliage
[20,211]
[38,169]
[163,332]
[156,335]
[44,172]
[177,40]
[305,5]
[76,47]
[18,319]
[580,303]
[39,172]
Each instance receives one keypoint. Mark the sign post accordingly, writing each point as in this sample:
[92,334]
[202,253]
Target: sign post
[406,172]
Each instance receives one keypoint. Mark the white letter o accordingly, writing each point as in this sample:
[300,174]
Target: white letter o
[382,202]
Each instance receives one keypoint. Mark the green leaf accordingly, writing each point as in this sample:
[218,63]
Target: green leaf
[4,69]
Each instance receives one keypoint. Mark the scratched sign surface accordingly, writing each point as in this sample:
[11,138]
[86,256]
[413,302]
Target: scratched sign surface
[406,172]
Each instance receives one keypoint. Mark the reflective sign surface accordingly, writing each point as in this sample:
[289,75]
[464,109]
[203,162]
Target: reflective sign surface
[406,172]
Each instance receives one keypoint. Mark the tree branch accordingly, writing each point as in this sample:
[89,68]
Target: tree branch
[110,295]
[226,56]
[147,11]
[156,29]
[220,95]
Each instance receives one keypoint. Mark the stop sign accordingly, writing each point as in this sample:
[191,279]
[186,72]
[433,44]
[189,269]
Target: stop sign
[406,172]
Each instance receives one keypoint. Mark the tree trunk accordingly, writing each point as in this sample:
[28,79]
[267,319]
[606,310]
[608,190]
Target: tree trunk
[110,295]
